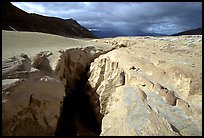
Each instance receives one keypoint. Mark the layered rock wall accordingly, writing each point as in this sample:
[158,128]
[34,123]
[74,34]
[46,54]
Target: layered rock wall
[136,95]
[33,90]
[31,100]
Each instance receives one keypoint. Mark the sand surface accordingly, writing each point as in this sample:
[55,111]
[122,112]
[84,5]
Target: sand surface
[30,43]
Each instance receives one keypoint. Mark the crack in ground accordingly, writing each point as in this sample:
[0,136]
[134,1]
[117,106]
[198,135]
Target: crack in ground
[77,115]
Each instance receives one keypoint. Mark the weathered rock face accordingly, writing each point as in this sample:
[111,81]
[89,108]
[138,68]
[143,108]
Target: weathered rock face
[73,62]
[31,99]
[34,89]
[147,90]
[72,68]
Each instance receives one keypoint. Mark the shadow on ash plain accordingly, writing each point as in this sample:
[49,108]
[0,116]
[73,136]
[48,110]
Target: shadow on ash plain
[77,117]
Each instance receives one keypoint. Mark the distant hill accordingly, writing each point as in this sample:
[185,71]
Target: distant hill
[109,34]
[197,31]
[16,19]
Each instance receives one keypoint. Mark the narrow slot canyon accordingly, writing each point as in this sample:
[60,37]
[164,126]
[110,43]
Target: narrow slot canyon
[77,117]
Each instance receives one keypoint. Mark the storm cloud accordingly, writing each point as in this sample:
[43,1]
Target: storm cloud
[150,17]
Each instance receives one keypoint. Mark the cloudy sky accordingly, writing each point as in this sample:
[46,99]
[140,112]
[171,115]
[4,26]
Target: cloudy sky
[150,17]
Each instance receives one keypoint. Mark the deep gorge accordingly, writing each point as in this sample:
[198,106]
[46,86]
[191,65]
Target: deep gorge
[77,115]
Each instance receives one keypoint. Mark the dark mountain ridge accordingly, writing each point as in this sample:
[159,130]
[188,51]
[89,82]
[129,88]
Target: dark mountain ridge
[109,34]
[197,31]
[16,19]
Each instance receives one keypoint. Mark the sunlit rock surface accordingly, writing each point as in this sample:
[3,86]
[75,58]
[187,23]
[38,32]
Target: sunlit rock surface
[149,86]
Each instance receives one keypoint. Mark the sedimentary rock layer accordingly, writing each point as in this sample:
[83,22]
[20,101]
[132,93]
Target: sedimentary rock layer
[31,99]
[33,91]
[149,86]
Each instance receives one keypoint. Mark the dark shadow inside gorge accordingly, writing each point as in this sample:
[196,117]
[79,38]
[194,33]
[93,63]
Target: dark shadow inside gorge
[77,116]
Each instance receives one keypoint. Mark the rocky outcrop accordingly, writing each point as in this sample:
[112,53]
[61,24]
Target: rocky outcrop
[72,68]
[134,94]
[31,99]
[73,62]
[33,89]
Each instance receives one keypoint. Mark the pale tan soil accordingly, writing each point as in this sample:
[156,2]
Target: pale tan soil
[31,43]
